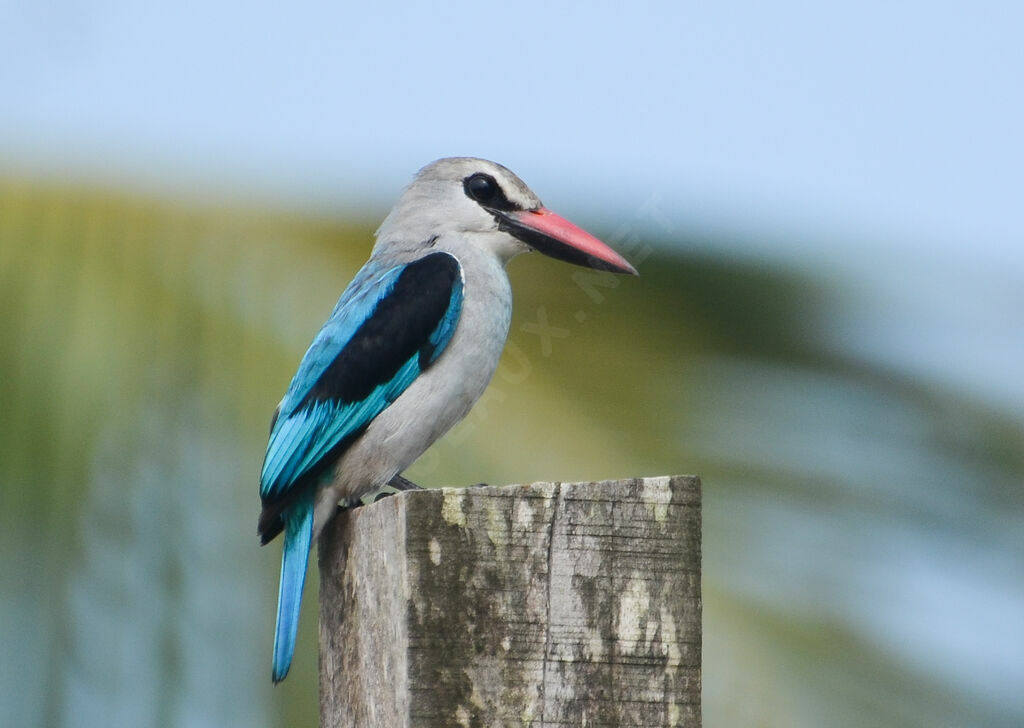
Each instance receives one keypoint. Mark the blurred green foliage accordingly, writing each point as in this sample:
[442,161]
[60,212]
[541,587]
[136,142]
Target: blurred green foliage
[144,345]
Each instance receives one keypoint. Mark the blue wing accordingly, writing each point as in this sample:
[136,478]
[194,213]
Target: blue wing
[389,325]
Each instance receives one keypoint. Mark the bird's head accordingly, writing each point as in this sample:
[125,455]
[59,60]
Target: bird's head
[491,206]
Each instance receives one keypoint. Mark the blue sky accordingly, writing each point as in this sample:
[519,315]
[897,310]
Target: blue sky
[898,119]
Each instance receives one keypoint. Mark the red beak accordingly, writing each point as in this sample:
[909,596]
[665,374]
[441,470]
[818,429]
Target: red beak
[555,236]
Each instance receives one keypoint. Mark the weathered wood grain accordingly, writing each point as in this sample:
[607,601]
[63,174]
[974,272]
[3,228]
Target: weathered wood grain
[551,604]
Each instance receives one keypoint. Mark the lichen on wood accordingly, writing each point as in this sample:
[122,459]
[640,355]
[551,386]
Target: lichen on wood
[551,604]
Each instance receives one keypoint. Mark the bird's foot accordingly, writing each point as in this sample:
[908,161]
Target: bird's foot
[347,505]
[409,485]
[400,483]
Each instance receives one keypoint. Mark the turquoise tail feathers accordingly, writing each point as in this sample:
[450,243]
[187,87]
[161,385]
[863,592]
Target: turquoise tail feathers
[298,538]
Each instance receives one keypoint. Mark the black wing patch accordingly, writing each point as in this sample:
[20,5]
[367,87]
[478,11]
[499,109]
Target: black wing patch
[399,328]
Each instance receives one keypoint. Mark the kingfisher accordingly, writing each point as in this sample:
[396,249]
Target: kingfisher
[408,349]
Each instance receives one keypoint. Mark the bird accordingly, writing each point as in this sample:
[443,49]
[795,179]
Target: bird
[409,347]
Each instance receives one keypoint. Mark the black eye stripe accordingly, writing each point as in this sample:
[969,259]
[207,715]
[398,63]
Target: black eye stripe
[485,190]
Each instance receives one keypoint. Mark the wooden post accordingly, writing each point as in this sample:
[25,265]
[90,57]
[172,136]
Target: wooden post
[552,604]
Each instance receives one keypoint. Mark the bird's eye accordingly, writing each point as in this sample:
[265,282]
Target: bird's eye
[482,188]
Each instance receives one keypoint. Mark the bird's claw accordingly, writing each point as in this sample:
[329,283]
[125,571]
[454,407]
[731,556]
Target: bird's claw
[400,483]
[349,505]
